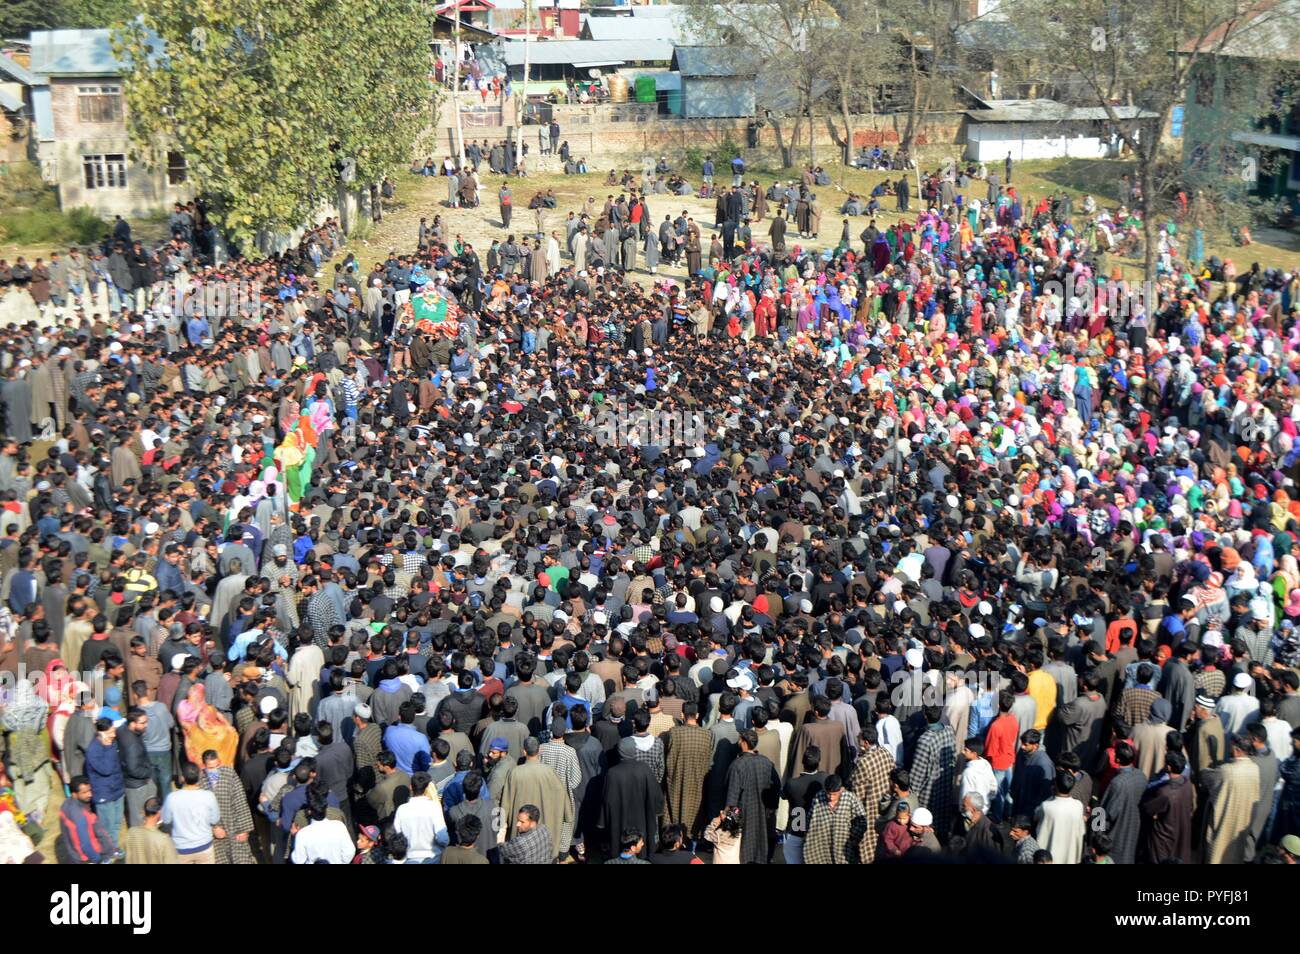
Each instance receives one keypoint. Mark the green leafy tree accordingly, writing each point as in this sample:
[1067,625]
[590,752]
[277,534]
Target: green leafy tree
[95,13]
[385,97]
[272,104]
[18,18]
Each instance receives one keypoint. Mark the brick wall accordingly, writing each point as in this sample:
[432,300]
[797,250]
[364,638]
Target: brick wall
[604,143]
[146,189]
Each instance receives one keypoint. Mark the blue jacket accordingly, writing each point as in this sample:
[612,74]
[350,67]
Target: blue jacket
[82,836]
[104,769]
[169,577]
[22,590]
[196,329]
[301,547]
[409,746]
[296,798]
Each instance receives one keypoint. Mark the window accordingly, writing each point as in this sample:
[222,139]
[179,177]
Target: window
[99,104]
[178,169]
[1292,125]
[1204,86]
[1234,84]
[105,172]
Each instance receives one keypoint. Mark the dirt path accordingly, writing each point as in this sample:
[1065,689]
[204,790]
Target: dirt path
[419,196]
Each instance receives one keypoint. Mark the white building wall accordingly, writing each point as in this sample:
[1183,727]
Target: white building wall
[988,142]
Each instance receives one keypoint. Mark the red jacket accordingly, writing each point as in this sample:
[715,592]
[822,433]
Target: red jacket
[895,839]
[1000,742]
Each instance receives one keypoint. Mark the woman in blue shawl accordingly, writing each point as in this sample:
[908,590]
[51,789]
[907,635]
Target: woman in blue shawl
[834,304]
[1264,559]
[1083,395]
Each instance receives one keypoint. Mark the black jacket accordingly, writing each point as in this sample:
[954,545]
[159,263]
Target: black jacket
[137,770]
[120,271]
[466,708]
[141,272]
[984,841]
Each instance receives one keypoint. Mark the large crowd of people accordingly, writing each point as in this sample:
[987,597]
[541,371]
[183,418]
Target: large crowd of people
[987,554]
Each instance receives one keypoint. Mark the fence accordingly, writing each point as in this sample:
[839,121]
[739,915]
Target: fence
[636,129]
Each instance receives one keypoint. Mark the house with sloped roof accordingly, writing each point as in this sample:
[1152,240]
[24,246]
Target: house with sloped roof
[1240,123]
[84,146]
[557,18]
[672,29]
[717,82]
[1027,129]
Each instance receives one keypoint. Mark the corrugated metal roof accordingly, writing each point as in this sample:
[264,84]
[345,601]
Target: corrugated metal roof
[999,36]
[1267,33]
[729,18]
[17,72]
[632,28]
[1049,111]
[519,4]
[74,53]
[573,52]
[710,61]
[657,11]
[679,12]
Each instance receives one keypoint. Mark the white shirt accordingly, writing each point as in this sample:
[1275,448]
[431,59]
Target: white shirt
[691,517]
[910,566]
[1062,829]
[326,840]
[421,821]
[890,737]
[978,777]
[1279,739]
[1235,711]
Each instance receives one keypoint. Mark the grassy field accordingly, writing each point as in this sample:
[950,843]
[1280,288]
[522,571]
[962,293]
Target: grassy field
[419,196]
[32,224]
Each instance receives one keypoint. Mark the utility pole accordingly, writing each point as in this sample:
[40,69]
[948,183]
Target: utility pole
[519,129]
[898,463]
[455,87]
[916,165]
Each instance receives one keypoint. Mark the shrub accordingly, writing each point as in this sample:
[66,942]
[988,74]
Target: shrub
[722,154]
[30,213]
[45,224]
